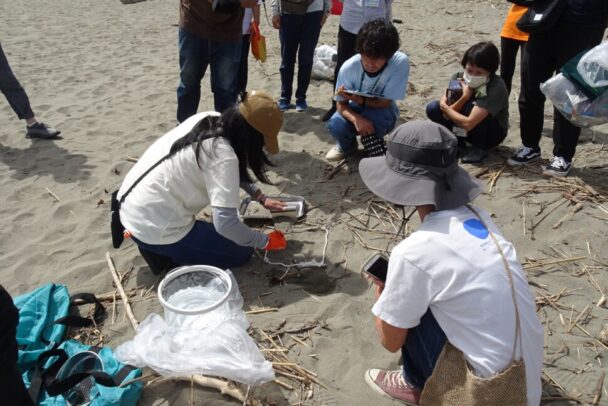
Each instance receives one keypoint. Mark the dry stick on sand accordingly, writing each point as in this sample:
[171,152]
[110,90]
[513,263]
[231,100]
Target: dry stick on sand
[54,196]
[556,262]
[534,225]
[121,291]
[575,209]
[597,393]
[336,169]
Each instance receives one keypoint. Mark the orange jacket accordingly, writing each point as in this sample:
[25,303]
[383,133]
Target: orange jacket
[509,29]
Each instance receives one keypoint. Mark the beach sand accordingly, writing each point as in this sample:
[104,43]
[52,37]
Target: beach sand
[105,74]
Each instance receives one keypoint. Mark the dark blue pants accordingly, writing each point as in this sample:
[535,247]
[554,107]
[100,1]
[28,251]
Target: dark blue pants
[13,91]
[243,66]
[421,350]
[345,133]
[201,246]
[299,35]
[195,54]
[487,134]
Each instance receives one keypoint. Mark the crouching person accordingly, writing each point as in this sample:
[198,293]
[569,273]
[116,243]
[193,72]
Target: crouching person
[366,89]
[456,299]
[203,162]
[478,106]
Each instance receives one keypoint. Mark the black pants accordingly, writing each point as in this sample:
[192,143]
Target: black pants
[12,389]
[508,56]
[13,91]
[243,67]
[347,48]
[544,54]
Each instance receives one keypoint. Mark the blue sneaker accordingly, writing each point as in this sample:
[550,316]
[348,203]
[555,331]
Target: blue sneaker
[283,104]
[301,105]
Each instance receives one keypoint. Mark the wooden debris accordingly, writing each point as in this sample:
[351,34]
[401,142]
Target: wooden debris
[121,291]
[262,310]
[597,393]
[574,210]
[336,169]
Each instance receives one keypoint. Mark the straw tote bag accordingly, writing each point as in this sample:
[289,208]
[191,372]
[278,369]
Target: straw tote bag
[453,382]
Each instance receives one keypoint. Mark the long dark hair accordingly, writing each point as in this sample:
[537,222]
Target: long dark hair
[246,141]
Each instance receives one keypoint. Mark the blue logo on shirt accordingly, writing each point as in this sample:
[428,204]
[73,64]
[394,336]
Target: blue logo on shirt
[476,229]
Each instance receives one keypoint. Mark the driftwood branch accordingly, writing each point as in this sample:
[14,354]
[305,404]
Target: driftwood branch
[121,291]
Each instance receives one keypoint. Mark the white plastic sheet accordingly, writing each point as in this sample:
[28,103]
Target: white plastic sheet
[213,343]
[324,62]
[593,66]
[574,104]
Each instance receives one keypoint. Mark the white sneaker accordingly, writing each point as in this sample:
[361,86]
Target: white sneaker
[335,154]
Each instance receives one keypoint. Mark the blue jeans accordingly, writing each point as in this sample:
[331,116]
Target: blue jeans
[201,246]
[487,134]
[13,91]
[298,31]
[421,350]
[195,54]
[345,133]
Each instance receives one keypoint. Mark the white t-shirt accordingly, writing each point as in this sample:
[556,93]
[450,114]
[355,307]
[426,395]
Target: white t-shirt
[161,209]
[355,13]
[451,265]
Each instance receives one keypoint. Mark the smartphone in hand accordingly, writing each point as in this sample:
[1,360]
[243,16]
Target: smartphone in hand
[375,269]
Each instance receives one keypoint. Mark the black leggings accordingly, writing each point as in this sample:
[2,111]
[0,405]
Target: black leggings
[508,55]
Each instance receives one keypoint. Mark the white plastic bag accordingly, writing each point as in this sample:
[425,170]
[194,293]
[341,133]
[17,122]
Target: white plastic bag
[213,343]
[593,66]
[324,62]
[574,104]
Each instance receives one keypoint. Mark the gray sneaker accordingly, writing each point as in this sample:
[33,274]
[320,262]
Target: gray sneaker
[41,130]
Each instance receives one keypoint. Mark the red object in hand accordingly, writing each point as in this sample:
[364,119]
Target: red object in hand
[276,241]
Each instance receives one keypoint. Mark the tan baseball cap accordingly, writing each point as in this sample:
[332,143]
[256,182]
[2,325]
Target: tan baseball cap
[262,113]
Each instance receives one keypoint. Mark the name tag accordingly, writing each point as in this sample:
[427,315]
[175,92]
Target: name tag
[372,3]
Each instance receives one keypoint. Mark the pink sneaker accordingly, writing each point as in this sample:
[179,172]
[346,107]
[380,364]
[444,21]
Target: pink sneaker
[391,384]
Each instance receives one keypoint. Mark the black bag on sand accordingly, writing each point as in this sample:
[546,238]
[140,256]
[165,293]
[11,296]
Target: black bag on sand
[541,16]
[116,226]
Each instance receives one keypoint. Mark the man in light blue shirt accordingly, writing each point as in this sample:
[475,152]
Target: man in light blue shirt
[366,89]
[355,13]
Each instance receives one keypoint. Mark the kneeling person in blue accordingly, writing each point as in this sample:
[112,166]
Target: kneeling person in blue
[481,110]
[366,89]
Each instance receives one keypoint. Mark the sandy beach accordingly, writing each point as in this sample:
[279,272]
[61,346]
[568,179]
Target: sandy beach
[105,74]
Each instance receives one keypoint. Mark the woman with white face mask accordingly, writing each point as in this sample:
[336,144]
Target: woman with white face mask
[476,104]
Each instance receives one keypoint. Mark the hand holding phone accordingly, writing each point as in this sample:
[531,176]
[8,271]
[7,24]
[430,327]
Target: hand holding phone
[375,269]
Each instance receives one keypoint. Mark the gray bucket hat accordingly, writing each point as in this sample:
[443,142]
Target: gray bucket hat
[420,167]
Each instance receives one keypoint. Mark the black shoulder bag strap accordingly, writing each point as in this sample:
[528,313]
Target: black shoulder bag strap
[143,175]
[46,379]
